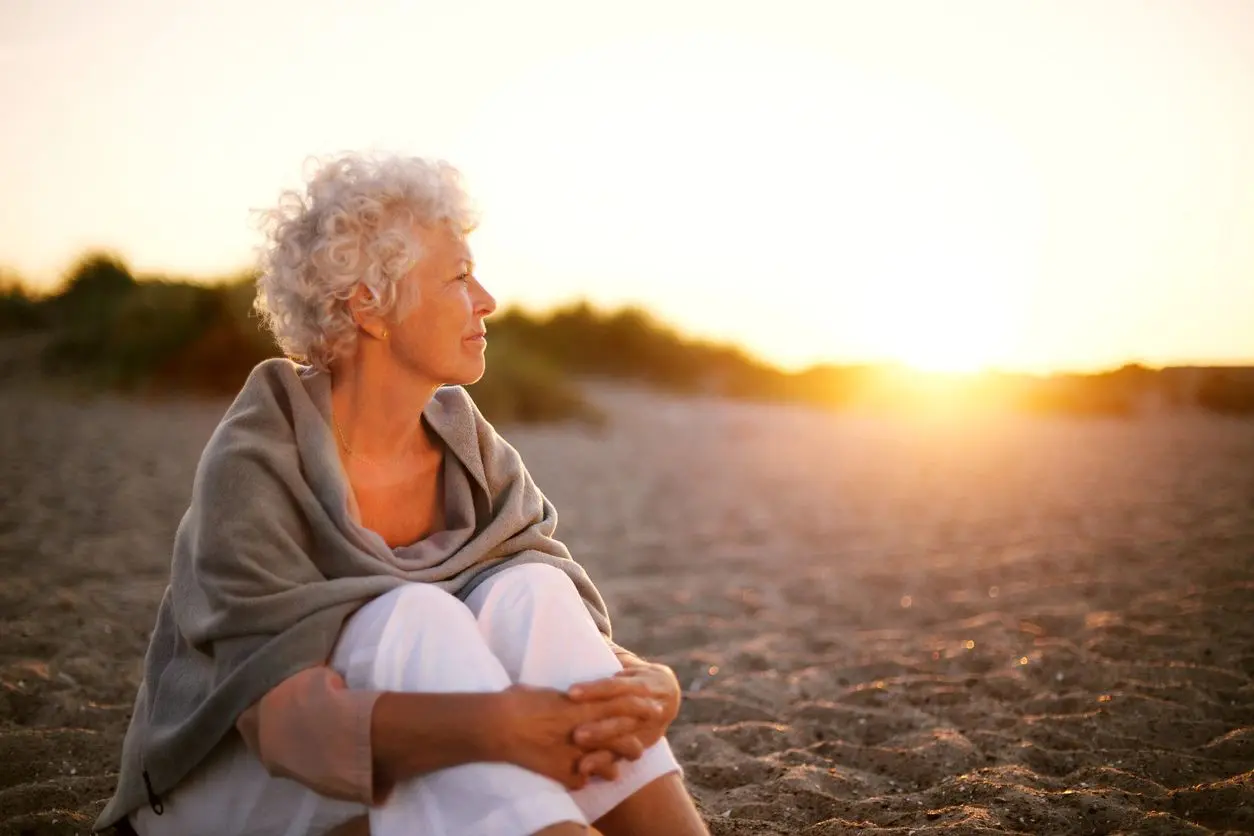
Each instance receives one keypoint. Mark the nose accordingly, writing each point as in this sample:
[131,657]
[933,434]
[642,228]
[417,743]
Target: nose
[486,304]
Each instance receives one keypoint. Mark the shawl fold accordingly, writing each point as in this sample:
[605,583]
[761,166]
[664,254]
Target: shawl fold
[269,561]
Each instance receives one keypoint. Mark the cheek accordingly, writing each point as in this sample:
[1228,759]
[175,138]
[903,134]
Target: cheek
[436,325]
[457,307]
[408,299]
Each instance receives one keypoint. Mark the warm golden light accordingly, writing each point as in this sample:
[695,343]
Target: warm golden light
[949,359]
[959,333]
[833,182]
[907,230]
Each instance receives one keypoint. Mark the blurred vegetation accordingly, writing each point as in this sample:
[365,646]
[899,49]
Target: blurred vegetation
[523,387]
[1227,391]
[20,310]
[107,328]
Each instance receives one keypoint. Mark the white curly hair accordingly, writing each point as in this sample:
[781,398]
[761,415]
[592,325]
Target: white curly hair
[353,225]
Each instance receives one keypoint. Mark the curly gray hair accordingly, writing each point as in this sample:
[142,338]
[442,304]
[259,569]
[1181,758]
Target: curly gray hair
[352,226]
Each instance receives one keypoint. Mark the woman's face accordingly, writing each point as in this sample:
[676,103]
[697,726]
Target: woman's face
[436,329]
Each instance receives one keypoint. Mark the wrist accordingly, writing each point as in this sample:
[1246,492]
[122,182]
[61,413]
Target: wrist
[413,734]
[484,726]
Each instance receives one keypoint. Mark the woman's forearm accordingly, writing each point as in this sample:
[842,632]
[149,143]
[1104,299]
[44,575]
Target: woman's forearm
[412,734]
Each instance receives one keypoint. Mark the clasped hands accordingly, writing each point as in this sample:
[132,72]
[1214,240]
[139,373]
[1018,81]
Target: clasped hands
[585,731]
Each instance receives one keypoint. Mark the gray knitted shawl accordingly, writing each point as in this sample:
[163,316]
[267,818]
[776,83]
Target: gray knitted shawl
[268,562]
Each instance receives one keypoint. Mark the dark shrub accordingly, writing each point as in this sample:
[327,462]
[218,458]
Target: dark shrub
[19,310]
[1228,392]
[97,285]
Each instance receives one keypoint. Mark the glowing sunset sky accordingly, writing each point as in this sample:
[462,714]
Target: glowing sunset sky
[1027,185]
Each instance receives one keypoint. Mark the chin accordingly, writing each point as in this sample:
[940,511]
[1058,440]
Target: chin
[469,374]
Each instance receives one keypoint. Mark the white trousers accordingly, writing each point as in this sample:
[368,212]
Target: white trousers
[525,624]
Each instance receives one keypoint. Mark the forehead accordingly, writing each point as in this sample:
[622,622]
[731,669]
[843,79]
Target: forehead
[442,244]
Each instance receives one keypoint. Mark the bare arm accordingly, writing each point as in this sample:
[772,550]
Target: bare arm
[530,727]
[356,745]
[452,729]
[411,734]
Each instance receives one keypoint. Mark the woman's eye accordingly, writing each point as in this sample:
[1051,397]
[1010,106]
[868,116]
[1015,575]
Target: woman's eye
[465,277]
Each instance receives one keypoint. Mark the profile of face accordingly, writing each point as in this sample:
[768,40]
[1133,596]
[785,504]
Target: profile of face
[436,330]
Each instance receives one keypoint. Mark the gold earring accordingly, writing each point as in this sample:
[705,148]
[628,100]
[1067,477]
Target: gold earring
[385,334]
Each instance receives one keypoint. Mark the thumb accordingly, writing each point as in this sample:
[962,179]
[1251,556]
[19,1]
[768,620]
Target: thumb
[600,763]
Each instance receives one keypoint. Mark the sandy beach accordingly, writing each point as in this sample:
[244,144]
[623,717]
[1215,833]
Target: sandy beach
[1014,625]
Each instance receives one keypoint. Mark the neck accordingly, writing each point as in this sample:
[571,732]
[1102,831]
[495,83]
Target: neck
[378,405]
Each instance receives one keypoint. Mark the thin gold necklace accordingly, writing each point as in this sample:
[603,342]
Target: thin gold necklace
[355,454]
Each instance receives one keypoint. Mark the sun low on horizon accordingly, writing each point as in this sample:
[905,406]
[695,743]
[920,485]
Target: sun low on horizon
[1026,186]
[895,226]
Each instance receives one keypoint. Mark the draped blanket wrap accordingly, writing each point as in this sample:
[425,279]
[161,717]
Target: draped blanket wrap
[269,561]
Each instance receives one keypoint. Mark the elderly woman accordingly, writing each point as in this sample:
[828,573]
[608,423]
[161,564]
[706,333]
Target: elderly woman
[369,626]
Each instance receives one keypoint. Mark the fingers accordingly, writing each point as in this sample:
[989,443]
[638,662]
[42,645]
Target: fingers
[600,734]
[641,708]
[602,764]
[628,746]
[604,689]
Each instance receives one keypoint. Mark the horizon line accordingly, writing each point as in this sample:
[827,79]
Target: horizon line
[10,276]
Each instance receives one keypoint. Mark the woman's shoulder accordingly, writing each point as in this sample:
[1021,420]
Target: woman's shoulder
[276,371]
[272,381]
[261,418]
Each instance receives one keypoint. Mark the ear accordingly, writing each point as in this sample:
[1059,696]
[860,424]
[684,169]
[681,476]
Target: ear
[366,318]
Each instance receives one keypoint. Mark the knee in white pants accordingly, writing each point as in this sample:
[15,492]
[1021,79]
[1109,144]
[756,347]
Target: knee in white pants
[536,623]
[424,639]
[427,602]
[530,585]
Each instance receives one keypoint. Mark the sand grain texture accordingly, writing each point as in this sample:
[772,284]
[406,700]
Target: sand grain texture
[1028,625]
